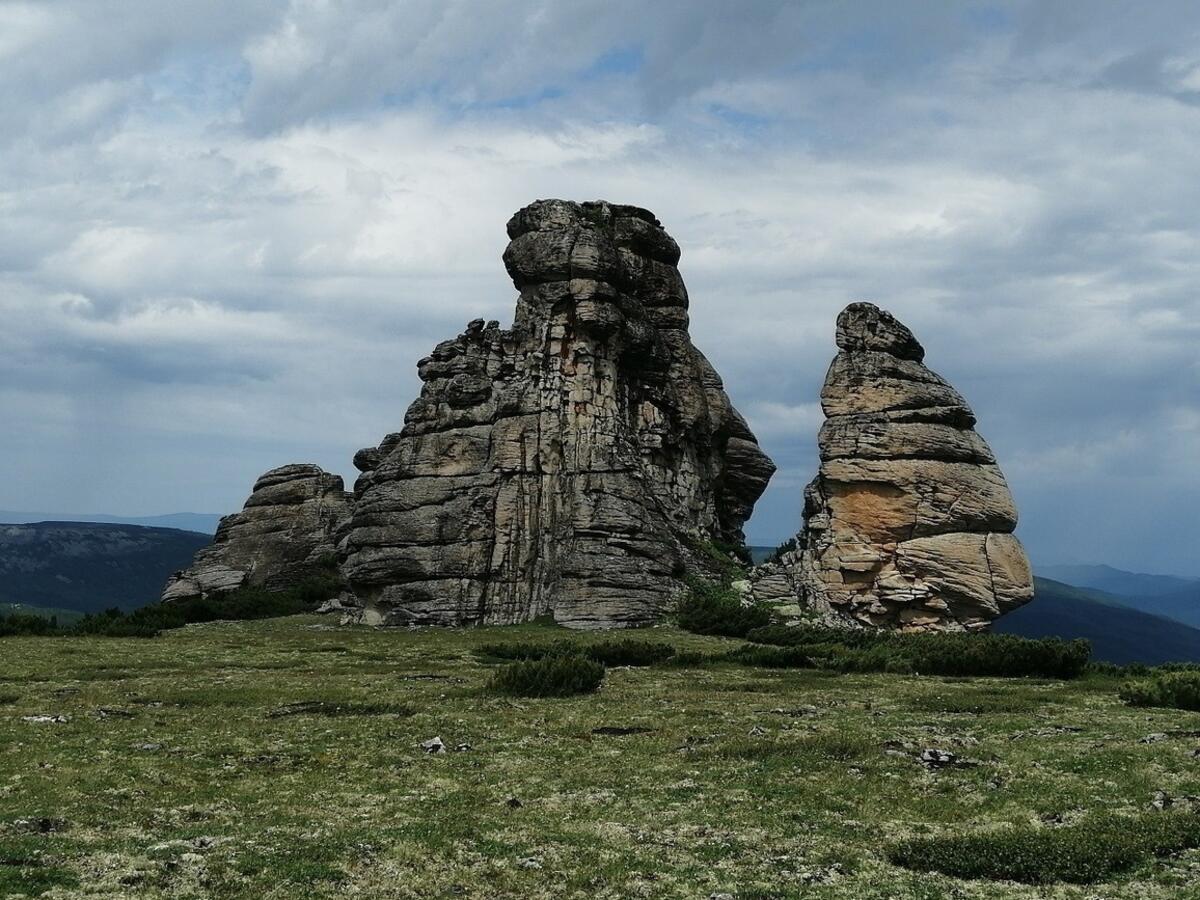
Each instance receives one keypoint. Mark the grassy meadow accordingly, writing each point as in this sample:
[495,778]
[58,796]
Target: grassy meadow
[282,759]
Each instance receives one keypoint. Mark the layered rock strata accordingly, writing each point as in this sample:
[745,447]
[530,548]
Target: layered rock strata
[909,521]
[286,532]
[575,464]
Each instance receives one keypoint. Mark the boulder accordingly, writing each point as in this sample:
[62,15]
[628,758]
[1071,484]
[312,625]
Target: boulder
[909,521]
[577,464]
[286,533]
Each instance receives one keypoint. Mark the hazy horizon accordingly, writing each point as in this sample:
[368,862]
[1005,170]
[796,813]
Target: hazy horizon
[231,229]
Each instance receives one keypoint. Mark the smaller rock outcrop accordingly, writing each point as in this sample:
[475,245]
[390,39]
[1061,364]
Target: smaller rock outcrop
[909,521]
[286,532]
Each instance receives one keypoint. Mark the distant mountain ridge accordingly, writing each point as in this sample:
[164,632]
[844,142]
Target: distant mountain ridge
[90,566]
[1118,633]
[205,523]
[1173,596]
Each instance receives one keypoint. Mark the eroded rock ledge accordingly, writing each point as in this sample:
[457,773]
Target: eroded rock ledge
[573,464]
[909,521]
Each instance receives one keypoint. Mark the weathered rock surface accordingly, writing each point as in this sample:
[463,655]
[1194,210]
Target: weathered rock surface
[572,464]
[909,521]
[286,532]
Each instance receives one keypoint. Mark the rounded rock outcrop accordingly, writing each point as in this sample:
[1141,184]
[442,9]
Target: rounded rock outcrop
[285,533]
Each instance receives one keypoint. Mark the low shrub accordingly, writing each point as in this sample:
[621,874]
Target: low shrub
[552,676]
[1138,670]
[629,652]
[770,657]
[527,650]
[1083,853]
[818,635]
[1176,690]
[996,655]
[714,609]
[18,624]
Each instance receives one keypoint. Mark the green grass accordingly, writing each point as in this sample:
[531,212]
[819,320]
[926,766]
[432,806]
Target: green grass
[282,759]
[1083,853]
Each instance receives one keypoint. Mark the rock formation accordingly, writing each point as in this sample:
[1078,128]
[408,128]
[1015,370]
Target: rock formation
[286,532]
[909,521]
[575,464]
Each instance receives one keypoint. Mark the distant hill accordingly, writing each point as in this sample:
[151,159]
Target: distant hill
[87,566]
[205,523]
[1160,595]
[1119,634]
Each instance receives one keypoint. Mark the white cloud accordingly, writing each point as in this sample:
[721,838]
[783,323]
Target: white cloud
[233,228]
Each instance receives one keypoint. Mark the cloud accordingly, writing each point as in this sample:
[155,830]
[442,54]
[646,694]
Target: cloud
[228,231]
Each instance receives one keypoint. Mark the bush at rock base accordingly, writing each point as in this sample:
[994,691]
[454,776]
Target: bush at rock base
[1083,853]
[553,676]
[714,609]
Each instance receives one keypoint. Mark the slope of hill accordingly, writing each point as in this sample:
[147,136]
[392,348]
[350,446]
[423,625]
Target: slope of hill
[1118,633]
[1160,595]
[88,566]
[206,523]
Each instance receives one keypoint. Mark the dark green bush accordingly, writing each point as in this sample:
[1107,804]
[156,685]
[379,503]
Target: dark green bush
[818,635]
[1138,670]
[770,657]
[713,609]
[997,655]
[629,652]
[552,676]
[1083,853]
[527,650]
[1176,690]
[17,623]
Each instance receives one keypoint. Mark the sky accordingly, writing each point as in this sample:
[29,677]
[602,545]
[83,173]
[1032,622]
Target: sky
[230,228]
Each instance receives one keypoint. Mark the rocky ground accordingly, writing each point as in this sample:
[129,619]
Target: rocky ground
[284,759]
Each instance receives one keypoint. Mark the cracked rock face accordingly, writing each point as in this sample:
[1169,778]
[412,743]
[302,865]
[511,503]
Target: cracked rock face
[909,521]
[286,532]
[573,464]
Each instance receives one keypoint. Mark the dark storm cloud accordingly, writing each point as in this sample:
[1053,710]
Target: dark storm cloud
[228,230]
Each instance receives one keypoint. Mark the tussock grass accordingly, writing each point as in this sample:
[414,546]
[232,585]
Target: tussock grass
[1083,853]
